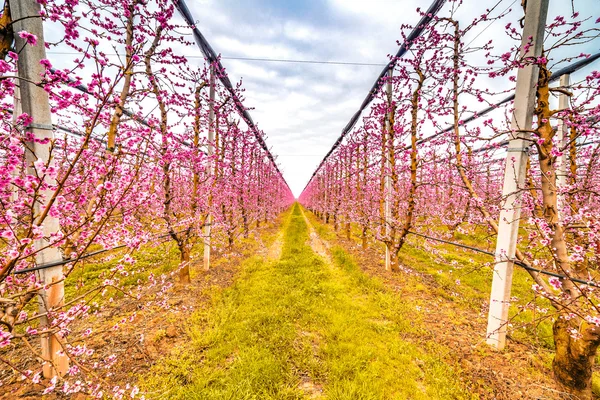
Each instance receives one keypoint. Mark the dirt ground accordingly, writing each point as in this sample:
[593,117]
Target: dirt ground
[515,373]
[152,330]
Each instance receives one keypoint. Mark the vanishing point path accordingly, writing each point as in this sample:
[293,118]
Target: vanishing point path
[302,327]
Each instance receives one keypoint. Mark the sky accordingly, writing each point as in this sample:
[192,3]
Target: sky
[303,107]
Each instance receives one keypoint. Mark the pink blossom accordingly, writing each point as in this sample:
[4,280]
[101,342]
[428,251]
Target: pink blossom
[4,338]
[31,331]
[555,282]
[46,63]
[30,38]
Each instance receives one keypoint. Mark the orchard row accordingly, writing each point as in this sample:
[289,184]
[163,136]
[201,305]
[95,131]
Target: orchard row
[122,143]
[422,160]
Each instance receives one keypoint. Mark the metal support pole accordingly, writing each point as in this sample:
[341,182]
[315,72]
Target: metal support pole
[388,178]
[211,139]
[514,174]
[35,103]
[561,174]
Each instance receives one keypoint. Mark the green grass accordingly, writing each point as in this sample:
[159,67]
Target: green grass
[474,272]
[297,323]
[90,273]
[149,259]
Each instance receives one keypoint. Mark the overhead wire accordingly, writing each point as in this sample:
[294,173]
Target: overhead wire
[553,77]
[213,58]
[240,58]
[431,12]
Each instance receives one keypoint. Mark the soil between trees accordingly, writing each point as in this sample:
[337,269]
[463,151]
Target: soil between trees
[309,314]
[299,327]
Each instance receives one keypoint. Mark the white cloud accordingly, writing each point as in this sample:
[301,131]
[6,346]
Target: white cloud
[234,46]
[297,31]
[388,13]
[303,107]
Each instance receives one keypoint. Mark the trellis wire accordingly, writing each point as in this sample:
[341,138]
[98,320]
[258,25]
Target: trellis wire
[212,58]
[553,77]
[516,262]
[83,256]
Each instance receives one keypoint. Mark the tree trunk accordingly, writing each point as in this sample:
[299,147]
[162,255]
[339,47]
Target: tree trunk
[364,237]
[6,32]
[394,263]
[184,272]
[245,223]
[575,358]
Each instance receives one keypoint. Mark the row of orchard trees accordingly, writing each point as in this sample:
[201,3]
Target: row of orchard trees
[128,162]
[414,165]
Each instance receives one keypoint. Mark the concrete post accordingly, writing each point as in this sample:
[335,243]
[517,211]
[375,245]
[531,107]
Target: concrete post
[211,139]
[35,103]
[16,112]
[561,174]
[516,162]
[388,178]
[327,187]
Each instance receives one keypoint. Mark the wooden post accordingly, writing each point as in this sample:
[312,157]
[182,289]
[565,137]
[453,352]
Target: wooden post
[35,103]
[516,162]
[388,178]
[211,139]
[561,173]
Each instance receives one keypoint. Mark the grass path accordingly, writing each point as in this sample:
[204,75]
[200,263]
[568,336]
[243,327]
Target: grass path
[300,328]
